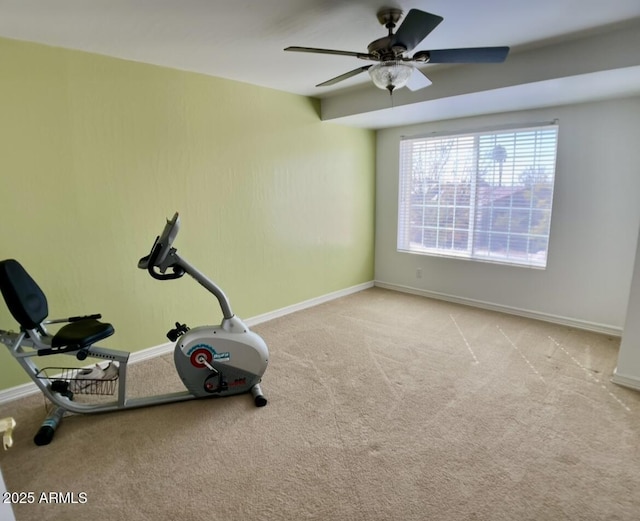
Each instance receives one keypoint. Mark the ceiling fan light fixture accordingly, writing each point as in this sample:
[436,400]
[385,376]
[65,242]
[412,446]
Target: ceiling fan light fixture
[390,75]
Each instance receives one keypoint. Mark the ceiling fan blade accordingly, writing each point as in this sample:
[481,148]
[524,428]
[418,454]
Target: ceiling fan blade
[418,80]
[362,55]
[469,55]
[415,27]
[344,76]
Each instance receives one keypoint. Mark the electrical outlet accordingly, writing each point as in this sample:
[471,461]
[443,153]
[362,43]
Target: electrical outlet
[419,273]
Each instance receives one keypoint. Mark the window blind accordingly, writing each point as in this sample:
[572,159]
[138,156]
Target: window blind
[481,195]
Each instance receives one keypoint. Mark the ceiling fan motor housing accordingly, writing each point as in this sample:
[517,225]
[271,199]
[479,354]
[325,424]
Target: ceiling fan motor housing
[383,51]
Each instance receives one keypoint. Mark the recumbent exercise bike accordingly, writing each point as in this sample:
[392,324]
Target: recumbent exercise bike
[211,361]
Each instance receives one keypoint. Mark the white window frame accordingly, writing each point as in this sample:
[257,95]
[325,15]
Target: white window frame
[485,195]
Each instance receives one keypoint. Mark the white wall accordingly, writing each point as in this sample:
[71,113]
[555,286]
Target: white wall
[594,227]
[628,371]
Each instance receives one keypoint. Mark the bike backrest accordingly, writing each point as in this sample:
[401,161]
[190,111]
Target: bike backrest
[25,300]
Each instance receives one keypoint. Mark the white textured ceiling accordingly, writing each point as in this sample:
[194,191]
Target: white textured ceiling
[244,39]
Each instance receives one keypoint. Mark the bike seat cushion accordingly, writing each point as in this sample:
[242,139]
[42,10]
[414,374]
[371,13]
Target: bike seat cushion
[82,333]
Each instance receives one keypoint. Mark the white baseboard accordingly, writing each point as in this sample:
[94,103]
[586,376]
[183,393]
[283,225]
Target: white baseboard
[254,321]
[633,382]
[20,391]
[17,392]
[554,319]
[151,352]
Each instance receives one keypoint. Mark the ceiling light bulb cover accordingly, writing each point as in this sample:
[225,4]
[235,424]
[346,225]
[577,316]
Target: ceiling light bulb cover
[390,75]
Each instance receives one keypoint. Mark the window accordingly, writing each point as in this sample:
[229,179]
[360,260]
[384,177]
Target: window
[482,195]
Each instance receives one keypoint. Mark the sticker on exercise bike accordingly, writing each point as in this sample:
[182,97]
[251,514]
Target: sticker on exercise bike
[200,353]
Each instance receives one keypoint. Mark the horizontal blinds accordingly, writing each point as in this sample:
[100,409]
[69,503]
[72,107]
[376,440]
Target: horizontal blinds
[438,186]
[483,195]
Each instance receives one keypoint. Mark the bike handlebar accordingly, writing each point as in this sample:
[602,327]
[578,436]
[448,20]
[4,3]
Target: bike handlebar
[163,257]
[160,275]
[159,251]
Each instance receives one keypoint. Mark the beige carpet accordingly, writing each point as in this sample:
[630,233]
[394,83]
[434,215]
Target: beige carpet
[382,406]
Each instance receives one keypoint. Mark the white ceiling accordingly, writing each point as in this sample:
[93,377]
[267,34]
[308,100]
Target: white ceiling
[244,39]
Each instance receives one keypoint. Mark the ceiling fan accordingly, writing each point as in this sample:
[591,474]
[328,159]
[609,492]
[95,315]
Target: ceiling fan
[394,70]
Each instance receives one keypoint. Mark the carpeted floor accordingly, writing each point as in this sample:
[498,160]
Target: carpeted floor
[382,406]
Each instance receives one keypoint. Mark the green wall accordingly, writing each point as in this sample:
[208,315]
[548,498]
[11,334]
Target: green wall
[95,152]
